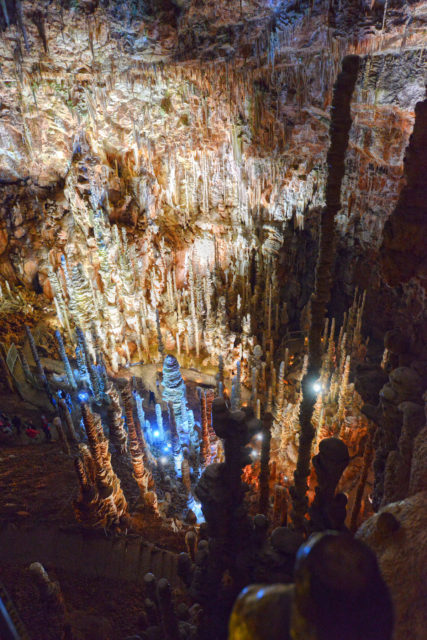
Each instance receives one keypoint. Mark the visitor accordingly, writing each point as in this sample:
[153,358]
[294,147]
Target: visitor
[45,428]
[16,422]
[30,430]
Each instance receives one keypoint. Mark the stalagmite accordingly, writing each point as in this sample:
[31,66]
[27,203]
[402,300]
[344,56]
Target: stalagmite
[185,471]
[61,434]
[205,443]
[176,445]
[174,392]
[142,474]
[339,132]
[160,344]
[116,422]
[281,388]
[40,371]
[193,308]
[159,419]
[264,474]
[68,420]
[26,367]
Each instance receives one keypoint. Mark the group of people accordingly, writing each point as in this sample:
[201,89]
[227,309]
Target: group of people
[14,425]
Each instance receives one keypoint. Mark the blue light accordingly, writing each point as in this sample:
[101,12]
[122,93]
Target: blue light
[169,446]
[166,449]
[196,508]
[156,434]
[83,396]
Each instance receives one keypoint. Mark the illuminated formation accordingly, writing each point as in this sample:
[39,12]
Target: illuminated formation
[137,448]
[101,501]
[174,393]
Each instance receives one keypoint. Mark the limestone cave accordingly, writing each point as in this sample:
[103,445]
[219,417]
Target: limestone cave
[213,331]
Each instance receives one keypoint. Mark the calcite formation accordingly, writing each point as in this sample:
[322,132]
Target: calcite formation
[212,221]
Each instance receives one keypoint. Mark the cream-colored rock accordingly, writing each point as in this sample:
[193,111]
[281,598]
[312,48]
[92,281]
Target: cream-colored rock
[401,551]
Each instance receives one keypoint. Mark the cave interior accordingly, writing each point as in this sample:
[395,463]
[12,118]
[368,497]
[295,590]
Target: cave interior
[213,332]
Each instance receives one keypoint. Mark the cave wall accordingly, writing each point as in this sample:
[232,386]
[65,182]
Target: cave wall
[186,120]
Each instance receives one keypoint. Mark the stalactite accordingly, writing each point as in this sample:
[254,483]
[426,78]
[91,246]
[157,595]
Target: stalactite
[71,300]
[40,371]
[339,133]
[81,365]
[160,344]
[193,308]
[91,369]
[64,358]
[59,301]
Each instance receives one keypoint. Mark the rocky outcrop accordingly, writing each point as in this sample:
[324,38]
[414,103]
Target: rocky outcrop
[397,535]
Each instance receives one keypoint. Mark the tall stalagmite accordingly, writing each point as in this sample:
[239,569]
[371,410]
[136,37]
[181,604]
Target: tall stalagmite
[142,474]
[339,133]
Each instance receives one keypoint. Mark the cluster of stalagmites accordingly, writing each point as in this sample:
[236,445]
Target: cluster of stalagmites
[101,501]
[189,446]
[234,544]
[395,397]
[161,618]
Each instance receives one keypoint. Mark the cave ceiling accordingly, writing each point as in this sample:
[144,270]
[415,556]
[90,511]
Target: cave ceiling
[181,119]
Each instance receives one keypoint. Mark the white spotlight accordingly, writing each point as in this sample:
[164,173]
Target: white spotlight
[317,387]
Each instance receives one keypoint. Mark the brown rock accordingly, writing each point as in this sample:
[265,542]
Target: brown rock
[3,240]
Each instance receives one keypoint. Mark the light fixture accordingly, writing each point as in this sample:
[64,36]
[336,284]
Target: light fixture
[317,387]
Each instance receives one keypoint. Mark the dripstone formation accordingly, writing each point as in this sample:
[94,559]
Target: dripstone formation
[213,345]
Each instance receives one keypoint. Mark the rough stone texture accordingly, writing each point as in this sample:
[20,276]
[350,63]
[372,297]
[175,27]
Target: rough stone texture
[153,90]
[257,604]
[115,559]
[401,553]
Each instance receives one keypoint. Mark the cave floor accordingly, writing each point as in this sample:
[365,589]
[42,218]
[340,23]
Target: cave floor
[37,486]
[120,603]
